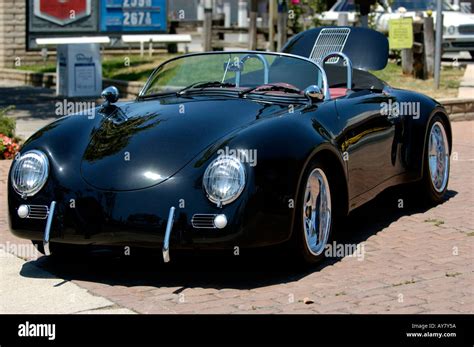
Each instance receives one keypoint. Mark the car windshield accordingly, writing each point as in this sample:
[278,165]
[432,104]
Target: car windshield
[410,5]
[239,72]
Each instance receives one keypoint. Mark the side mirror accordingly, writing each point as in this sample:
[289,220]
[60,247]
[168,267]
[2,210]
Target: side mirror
[314,94]
[110,95]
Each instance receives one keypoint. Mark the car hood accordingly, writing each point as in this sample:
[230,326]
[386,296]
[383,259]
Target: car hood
[141,144]
[452,18]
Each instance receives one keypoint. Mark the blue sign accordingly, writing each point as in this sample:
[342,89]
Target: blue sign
[133,15]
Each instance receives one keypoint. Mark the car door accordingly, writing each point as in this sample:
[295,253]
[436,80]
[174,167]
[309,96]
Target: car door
[369,140]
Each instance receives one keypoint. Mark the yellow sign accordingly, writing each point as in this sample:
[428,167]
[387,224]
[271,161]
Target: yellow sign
[400,34]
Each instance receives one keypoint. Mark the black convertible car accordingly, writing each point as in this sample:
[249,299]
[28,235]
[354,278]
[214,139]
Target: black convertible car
[232,149]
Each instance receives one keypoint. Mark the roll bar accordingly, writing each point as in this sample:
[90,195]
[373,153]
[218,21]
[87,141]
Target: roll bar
[348,64]
[265,67]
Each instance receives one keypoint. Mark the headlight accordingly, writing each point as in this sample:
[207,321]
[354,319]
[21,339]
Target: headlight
[224,179]
[452,30]
[29,173]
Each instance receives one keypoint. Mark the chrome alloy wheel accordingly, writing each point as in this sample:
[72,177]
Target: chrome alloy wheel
[438,157]
[317,212]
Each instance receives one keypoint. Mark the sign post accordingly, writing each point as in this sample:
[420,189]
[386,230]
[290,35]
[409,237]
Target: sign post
[78,27]
[439,38]
[133,16]
[56,18]
[400,36]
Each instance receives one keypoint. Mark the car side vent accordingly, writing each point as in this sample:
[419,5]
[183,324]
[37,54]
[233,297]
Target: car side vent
[38,212]
[203,221]
[329,40]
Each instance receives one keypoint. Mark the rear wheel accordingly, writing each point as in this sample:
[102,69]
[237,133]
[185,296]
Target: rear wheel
[314,222]
[436,162]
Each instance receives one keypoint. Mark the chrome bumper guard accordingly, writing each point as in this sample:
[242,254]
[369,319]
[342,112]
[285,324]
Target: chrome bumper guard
[166,243]
[47,230]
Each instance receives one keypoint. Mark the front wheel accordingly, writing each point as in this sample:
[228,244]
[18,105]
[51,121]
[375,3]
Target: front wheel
[436,162]
[314,223]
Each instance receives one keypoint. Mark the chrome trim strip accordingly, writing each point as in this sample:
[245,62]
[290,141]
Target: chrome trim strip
[37,212]
[47,230]
[166,242]
[199,219]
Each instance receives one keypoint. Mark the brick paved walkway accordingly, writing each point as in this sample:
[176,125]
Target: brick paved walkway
[416,260]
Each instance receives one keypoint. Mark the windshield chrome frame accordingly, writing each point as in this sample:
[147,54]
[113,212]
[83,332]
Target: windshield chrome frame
[243,52]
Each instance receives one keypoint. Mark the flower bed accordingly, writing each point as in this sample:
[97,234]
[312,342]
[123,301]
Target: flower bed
[8,147]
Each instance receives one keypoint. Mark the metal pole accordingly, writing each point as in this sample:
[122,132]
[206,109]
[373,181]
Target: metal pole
[439,39]
[282,24]
[242,19]
[207,28]
[271,28]
[252,44]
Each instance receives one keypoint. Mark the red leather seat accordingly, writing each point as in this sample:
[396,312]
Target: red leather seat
[337,92]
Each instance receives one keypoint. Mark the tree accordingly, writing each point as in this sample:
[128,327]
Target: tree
[301,8]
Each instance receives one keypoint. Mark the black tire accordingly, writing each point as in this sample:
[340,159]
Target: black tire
[300,246]
[427,188]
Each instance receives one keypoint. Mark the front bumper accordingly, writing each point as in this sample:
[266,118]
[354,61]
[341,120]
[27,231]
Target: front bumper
[458,43]
[87,216]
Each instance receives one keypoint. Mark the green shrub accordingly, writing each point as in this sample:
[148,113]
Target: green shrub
[7,124]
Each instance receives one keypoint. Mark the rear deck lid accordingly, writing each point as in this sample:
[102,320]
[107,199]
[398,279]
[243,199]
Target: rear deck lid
[367,48]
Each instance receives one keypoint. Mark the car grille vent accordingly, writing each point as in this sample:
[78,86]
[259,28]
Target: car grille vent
[38,212]
[466,29]
[329,40]
[203,221]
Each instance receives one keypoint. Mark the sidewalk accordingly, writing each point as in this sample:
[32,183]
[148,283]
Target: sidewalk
[36,291]
[466,90]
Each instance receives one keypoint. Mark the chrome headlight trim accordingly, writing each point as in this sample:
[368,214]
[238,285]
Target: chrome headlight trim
[238,175]
[452,30]
[17,174]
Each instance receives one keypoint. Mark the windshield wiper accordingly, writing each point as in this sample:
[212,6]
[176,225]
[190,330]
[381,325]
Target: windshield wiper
[202,85]
[270,88]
